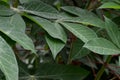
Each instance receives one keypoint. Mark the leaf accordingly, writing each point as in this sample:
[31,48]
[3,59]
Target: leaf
[86,21]
[53,29]
[113,31]
[54,45]
[5,9]
[39,6]
[43,10]
[24,1]
[78,51]
[62,72]
[78,11]
[46,15]
[48,71]
[84,17]
[102,46]
[82,32]
[110,5]
[14,27]
[5,1]
[8,63]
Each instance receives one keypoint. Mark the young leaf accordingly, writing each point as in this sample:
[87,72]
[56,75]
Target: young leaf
[53,29]
[102,46]
[110,5]
[54,45]
[82,32]
[14,27]
[8,63]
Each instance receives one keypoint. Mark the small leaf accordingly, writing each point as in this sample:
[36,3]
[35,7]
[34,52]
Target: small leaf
[53,29]
[8,63]
[102,46]
[54,45]
[14,27]
[82,32]
[110,5]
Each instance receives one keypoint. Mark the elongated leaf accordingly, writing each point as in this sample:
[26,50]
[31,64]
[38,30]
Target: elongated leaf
[78,51]
[110,5]
[5,9]
[55,45]
[82,32]
[14,27]
[87,21]
[46,15]
[102,46]
[53,29]
[8,63]
[43,10]
[84,17]
[78,11]
[24,1]
[41,6]
[113,31]
[57,72]
[64,72]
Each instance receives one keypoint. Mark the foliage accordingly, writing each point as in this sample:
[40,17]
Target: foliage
[59,39]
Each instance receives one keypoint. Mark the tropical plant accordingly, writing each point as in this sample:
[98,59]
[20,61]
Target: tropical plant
[59,39]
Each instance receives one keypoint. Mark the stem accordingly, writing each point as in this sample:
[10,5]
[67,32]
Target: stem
[101,71]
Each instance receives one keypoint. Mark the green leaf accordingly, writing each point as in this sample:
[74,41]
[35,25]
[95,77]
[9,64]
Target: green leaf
[53,29]
[84,17]
[14,27]
[43,10]
[102,46]
[113,31]
[86,21]
[110,5]
[78,11]
[39,6]
[24,1]
[78,51]
[5,1]
[63,72]
[82,32]
[54,45]
[8,63]
[5,9]
[46,15]
[57,72]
